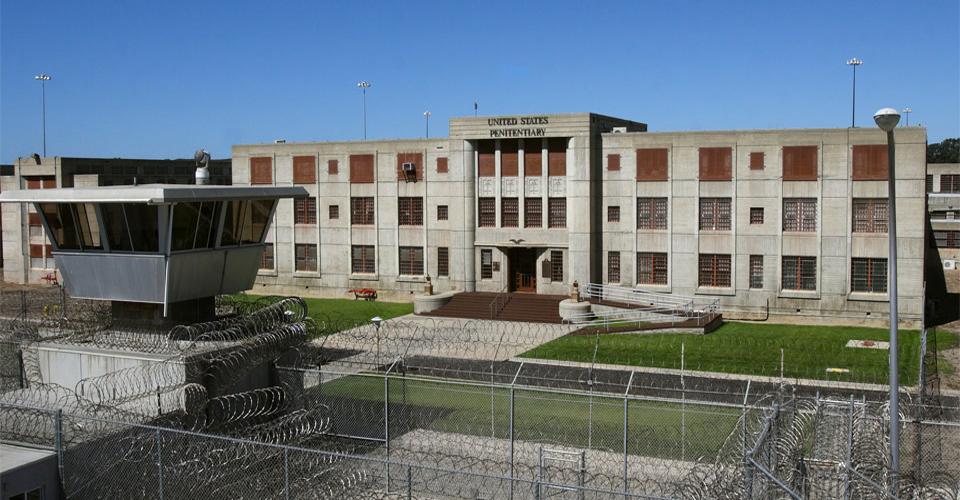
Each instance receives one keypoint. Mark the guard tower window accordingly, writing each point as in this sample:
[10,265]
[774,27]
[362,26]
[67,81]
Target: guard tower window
[245,221]
[193,225]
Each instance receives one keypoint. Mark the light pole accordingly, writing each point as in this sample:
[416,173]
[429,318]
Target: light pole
[363,85]
[426,117]
[887,119]
[377,320]
[906,115]
[43,79]
[853,114]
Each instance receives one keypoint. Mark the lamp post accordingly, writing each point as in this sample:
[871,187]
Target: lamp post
[426,117]
[853,114]
[43,79]
[377,320]
[363,85]
[887,119]
[906,115]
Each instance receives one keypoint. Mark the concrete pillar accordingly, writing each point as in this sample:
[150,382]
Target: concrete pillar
[469,228]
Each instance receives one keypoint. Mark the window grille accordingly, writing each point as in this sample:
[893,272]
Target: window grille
[361,211]
[410,211]
[488,212]
[613,213]
[870,215]
[800,215]
[651,268]
[486,264]
[305,211]
[556,265]
[334,211]
[799,273]
[949,183]
[613,267]
[756,215]
[266,258]
[443,213]
[651,213]
[714,214]
[868,275]
[714,270]
[756,271]
[443,261]
[306,257]
[411,261]
[533,212]
[557,216]
[362,259]
[509,212]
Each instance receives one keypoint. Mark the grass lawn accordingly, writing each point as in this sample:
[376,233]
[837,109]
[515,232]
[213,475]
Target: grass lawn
[348,311]
[657,429]
[753,349]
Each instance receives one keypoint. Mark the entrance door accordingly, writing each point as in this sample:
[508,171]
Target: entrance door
[523,272]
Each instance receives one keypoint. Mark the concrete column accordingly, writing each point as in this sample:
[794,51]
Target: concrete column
[468,174]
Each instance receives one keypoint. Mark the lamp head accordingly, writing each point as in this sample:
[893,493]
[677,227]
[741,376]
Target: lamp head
[376,320]
[887,119]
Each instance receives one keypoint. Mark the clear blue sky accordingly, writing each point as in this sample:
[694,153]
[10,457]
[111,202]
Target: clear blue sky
[158,79]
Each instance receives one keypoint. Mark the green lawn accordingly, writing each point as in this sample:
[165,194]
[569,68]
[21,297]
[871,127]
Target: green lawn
[348,311]
[753,349]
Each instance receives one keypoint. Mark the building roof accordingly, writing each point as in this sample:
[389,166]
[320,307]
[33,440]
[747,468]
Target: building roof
[13,456]
[151,193]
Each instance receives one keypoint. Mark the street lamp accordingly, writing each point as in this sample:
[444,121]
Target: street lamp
[906,114]
[364,86]
[887,119]
[43,79]
[426,117]
[853,115]
[377,321]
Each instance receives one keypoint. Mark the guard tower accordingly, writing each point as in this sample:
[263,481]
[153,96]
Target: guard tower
[160,253]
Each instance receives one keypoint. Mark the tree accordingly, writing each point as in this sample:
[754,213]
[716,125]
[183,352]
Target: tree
[947,151]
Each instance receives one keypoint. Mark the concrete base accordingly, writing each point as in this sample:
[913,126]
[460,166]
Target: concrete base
[151,315]
[427,303]
[570,307]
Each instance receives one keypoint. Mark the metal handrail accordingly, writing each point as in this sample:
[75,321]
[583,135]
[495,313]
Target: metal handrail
[644,298]
[499,301]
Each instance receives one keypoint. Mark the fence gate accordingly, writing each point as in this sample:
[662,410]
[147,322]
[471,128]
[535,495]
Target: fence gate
[556,467]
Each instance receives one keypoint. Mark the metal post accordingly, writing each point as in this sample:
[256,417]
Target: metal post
[894,319]
[511,439]
[386,425]
[626,428]
[365,107]
[846,476]
[160,464]
[539,476]
[43,112]
[286,473]
[58,439]
[853,112]
[409,483]
[683,404]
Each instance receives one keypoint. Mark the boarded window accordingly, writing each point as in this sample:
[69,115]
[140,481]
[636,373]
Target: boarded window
[557,156]
[261,170]
[800,215]
[333,212]
[509,159]
[362,259]
[486,159]
[533,212]
[870,215]
[870,162]
[556,265]
[304,169]
[487,216]
[361,169]
[36,251]
[443,261]
[799,273]
[443,212]
[532,157]
[333,167]
[652,164]
[411,261]
[800,163]
[651,213]
[613,267]
[362,211]
[442,166]
[756,161]
[714,270]
[868,275]
[756,271]
[714,214]
[756,215]
[266,258]
[410,211]
[414,158]
[557,213]
[486,264]
[613,213]
[613,162]
[41,182]
[305,211]
[306,257]
[716,164]
[651,268]
[509,212]
[33,219]
[949,183]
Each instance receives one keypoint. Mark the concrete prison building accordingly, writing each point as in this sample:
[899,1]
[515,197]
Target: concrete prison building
[772,222]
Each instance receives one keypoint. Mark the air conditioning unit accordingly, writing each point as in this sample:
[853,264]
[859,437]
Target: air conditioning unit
[408,167]
[949,265]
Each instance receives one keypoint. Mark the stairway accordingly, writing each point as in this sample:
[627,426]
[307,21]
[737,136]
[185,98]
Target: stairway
[525,307]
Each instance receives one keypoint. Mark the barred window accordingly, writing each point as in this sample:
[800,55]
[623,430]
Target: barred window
[306,257]
[334,212]
[949,183]
[929,184]
[443,261]
[756,271]
[443,213]
[947,239]
[411,261]
[486,264]
[651,268]
[613,267]
[509,212]
[361,211]
[613,213]
[488,212]
[557,216]
[410,211]
[362,259]
[651,213]
[305,211]
[533,212]
[869,215]
[799,273]
[714,214]
[756,215]
[556,265]
[800,214]
[714,270]
[868,275]
[266,258]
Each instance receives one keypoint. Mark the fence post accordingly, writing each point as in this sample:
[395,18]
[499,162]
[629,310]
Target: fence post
[386,425]
[683,404]
[626,428]
[846,476]
[160,463]
[286,473]
[409,483]
[58,438]
[511,438]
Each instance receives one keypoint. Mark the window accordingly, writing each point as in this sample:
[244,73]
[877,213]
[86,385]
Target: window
[509,212]
[947,239]
[334,212]
[361,169]
[333,167]
[800,163]
[799,273]
[194,226]
[533,212]
[486,264]
[613,267]
[868,275]
[34,494]
[305,257]
[362,259]
[756,215]
[651,213]
[929,184]
[714,214]
[443,213]
[442,166]
[261,171]
[488,212]
[411,261]
[714,270]
[800,215]
[417,160]
[870,162]
[556,265]
[756,271]
[651,268]
[410,211]
[35,225]
[305,211]
[557,213]
[613,162]
[652,164]
[304,169]
[557,156]
[869,215]
[613,213]
[949,183]
[361,211]
[266,258]
[756,161]
[716,164]
[443,261]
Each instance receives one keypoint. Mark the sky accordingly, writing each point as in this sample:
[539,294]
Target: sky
[160,79]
